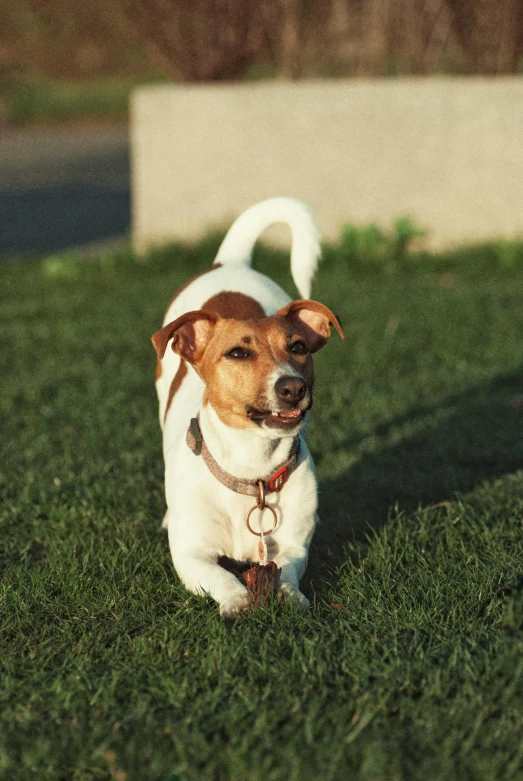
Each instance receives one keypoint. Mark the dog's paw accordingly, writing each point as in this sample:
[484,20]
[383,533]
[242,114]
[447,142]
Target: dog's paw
[234,606]
[286,591]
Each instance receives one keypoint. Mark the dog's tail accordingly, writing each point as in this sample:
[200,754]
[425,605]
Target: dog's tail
[239,242]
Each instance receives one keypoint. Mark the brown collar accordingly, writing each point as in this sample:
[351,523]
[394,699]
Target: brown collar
[274,482]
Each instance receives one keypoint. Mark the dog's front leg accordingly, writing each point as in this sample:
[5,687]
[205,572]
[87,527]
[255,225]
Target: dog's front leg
[200,573]
[293,562]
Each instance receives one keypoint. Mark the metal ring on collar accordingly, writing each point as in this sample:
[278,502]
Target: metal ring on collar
[261,499]
[261,509]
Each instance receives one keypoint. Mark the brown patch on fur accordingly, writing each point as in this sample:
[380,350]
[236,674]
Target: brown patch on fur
[159,369]
[234,306]
[175,385]
[282,334]
[189,282]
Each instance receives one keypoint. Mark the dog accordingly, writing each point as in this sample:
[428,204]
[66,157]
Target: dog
[235,390]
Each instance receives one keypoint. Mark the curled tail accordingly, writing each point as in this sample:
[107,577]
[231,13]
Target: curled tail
[239,242]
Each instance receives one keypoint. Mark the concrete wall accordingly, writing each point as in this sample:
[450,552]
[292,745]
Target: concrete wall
[447,151]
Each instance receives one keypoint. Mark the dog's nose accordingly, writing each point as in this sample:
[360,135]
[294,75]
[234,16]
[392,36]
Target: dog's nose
[291,390]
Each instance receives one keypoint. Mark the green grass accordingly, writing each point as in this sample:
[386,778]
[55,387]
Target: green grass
[409,664]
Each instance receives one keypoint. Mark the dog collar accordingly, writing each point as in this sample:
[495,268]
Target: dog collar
[271,484]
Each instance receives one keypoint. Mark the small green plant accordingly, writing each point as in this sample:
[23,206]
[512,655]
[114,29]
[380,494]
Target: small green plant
[405,231]
[369,247]
[507,252]
[65,266]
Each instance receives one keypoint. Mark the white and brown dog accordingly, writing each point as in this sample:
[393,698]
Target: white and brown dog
[235,389]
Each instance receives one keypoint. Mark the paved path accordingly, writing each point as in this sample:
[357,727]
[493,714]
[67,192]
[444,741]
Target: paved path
[63,187]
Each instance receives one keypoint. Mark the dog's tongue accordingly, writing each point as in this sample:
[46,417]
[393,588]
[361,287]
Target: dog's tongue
[291,413]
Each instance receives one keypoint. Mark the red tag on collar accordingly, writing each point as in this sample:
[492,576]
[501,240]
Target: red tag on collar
[278,480]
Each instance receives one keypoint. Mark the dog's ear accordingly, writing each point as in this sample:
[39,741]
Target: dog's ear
[313,321]
[190,333]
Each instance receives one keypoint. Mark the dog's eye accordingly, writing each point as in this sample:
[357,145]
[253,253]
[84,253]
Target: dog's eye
[299,348]
[239,353]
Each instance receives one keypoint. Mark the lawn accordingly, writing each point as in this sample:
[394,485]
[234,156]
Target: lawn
[409,664]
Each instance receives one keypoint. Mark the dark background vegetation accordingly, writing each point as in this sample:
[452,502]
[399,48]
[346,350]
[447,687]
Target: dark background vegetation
[230,39]
[46,43]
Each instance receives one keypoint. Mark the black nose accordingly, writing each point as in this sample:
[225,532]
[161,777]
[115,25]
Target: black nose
[291,390]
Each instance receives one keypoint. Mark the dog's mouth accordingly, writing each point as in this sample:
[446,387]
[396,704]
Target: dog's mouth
[284,419]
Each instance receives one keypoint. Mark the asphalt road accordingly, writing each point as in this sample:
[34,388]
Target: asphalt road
[63,187]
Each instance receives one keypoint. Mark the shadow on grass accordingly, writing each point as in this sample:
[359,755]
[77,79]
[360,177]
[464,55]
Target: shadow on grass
[461,442]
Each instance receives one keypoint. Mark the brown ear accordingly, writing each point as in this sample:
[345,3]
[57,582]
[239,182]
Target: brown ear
[313,320]
[190,334]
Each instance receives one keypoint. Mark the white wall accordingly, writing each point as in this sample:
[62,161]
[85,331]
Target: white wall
[447,151]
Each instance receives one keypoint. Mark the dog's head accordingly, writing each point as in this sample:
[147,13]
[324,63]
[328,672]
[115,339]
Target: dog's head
[256,372]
